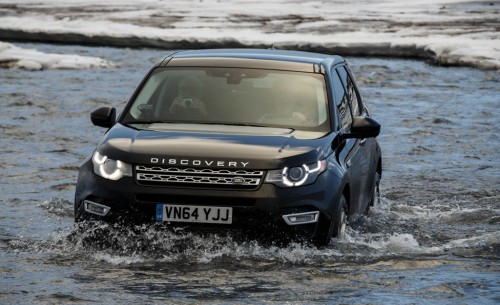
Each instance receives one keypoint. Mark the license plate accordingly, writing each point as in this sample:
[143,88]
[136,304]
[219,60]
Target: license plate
[189,213]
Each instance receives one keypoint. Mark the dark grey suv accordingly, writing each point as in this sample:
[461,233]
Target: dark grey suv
[262,140]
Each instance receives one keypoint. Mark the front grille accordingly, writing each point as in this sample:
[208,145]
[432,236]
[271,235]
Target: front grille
[198,177]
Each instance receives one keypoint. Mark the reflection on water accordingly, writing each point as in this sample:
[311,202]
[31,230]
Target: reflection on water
[434,237]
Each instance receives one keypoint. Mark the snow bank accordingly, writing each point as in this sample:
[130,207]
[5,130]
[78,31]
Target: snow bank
[12,56]
[449,32]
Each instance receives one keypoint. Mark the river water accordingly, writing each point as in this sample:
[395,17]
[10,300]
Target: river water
[434,238]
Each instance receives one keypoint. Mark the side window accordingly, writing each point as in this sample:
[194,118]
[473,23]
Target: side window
[353,97]
[341,101]
[343,75]
[351,91]
[356,103]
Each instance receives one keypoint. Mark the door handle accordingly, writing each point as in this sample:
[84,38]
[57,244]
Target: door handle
[362,142]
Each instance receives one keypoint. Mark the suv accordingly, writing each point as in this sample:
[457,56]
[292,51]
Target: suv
[264,140]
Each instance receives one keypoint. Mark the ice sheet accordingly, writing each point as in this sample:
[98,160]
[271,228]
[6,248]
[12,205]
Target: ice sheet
[12,56]
[449,32]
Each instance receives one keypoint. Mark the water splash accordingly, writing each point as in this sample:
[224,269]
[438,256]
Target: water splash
[58,206]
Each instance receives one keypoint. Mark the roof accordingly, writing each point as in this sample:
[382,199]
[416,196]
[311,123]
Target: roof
[254,58]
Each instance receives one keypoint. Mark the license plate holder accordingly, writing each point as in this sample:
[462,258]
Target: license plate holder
[194,214]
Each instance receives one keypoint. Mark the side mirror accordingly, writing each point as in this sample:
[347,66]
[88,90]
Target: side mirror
[363,127]
[104,117]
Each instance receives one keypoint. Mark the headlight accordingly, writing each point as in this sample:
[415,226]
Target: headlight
[296,176]
[110,169]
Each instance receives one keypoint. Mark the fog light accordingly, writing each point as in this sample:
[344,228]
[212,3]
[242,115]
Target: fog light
[96,208]
[301,218]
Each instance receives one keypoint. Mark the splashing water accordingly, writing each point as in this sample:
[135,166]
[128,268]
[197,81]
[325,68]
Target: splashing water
[433,238]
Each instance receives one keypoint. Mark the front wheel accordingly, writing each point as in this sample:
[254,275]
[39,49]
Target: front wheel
[375,196]
[335,227]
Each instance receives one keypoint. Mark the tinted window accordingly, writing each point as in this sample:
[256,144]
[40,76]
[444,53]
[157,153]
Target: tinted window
[343,75]
[351,91]
[341,100]
[353,97]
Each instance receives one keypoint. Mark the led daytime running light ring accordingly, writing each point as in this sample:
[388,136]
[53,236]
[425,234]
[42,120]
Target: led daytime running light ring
[320,166]
[99,159]
[287,182]
[120,168]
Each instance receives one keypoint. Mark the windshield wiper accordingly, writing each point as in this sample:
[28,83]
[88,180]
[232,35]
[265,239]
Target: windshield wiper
[232,124]
[148,122]
[257,125]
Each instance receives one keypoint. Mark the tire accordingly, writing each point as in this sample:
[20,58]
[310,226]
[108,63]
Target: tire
[375,198]
[340,219]
[334,227]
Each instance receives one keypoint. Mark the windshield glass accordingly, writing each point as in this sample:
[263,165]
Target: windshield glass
[236,96]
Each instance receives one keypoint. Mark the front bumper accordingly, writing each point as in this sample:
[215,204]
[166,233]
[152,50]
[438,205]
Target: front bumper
[259,209]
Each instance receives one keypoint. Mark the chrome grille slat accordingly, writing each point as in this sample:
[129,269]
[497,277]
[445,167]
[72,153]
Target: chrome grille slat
[195,179]
[191,177]
[190,170]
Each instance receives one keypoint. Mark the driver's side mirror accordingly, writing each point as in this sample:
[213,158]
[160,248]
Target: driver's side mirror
[363,127]
[104,117]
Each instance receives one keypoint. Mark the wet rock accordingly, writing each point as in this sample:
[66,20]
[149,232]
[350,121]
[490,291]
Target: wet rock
[441,121]
[420,150]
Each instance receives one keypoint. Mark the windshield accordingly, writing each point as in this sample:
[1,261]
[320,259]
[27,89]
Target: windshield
[232,96]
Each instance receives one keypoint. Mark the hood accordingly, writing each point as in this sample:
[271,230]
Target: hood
[214,146]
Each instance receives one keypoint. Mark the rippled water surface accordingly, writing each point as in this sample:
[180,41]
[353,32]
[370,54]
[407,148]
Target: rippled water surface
[433,239]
